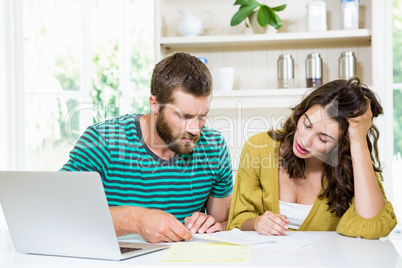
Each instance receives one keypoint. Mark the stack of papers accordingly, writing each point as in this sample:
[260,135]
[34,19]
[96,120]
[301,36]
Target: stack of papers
[206,252]
[234,245]
[235,237]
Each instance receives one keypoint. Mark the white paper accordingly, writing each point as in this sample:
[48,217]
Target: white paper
[235,237]
[294,240]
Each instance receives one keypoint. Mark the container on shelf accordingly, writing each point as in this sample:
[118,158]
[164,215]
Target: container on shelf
[313,70]
[224,78]
[204,60]
[317,16]
[286,76]
[347,65]
[350,14]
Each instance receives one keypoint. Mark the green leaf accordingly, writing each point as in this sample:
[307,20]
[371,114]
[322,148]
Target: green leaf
[242,14]
[279,8]
[245,2]
[264,15]
[276,22]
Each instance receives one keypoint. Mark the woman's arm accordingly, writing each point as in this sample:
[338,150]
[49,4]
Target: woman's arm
[370,214]
[249,211]
[368,197]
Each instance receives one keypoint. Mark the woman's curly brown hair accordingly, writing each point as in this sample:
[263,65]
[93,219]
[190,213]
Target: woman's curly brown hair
[341,99]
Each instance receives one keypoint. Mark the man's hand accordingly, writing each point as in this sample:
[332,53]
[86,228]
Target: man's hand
[159,226]
[202,223]
[153,225]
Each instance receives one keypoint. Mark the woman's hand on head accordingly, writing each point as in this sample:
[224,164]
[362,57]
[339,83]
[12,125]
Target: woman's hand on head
[359,126]
[272,224]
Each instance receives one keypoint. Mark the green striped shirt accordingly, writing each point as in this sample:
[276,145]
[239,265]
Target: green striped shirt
[133,175]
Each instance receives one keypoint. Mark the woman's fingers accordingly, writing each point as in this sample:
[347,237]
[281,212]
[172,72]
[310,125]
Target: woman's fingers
[273,224]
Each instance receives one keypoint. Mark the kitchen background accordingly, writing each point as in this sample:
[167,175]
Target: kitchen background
[68,64]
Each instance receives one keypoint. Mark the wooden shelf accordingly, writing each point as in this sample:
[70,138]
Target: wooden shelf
[266,39]
[259,98]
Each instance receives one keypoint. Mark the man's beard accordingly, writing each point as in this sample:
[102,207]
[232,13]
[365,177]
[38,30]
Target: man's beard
[175,143]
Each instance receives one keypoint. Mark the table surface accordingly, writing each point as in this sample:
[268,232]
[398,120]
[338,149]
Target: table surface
[332,250]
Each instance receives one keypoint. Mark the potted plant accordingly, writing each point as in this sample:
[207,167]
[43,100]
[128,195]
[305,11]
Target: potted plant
[257,12]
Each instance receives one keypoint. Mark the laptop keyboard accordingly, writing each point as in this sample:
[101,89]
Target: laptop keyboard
[127,249]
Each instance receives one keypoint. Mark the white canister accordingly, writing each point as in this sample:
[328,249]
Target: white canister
[350,14]
[317,16]
[224,78]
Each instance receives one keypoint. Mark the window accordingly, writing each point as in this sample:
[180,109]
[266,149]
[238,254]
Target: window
[397,98]
[66,64]
[80,62]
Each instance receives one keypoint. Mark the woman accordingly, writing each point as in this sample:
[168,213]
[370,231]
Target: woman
[321,172]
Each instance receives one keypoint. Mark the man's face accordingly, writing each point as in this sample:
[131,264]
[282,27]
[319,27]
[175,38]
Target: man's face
[179,123]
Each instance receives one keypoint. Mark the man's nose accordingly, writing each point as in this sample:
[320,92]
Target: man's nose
[193,126]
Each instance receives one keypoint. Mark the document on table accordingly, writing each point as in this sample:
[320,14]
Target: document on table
[206,252]
[294,240]
[235,237]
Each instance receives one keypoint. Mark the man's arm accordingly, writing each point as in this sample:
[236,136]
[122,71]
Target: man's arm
[215,221]
[219,209]
[152,225]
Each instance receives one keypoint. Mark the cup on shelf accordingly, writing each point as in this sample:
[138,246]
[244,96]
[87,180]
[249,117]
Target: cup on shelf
[224,78]
[204,60]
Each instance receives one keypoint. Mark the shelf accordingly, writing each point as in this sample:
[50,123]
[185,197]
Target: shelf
[260,39]
[259,98]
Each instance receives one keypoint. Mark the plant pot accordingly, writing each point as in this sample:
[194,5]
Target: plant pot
[257,28]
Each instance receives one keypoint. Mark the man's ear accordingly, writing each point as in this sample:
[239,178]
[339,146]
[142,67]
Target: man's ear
[153,103]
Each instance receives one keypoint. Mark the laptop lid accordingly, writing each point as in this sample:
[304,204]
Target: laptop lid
[61,213]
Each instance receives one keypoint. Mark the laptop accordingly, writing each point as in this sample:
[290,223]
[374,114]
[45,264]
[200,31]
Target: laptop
[63,214]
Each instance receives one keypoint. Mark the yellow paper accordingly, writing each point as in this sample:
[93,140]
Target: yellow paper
[206,252]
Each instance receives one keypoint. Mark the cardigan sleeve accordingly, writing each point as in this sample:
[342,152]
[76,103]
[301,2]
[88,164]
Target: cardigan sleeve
[352,224]
[247,199]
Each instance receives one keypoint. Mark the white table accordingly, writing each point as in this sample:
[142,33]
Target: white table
[333,250]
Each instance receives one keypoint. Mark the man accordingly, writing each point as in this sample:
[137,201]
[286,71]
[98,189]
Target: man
[165,168]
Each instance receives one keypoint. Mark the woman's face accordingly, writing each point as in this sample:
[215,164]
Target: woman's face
[316,134]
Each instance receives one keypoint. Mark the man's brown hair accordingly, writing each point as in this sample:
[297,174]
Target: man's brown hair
[180,71]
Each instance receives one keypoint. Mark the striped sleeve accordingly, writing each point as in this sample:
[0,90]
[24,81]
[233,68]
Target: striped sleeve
[89,154]
[224,183]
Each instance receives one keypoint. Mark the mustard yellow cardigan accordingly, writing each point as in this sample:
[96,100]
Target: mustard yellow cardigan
[256,191]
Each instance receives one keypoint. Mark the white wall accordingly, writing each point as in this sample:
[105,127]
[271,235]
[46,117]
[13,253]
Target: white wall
[4,82]
[238,125]
[3,98]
